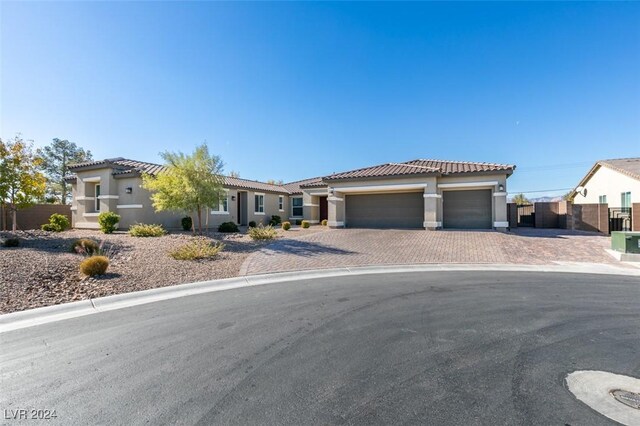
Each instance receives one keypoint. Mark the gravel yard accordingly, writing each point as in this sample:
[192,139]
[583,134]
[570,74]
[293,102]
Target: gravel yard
[42,271]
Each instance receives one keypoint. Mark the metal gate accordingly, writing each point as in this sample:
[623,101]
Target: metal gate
[526,216]
[620,219]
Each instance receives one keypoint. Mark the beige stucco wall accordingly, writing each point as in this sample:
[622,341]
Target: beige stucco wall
[608,182]
[137,207]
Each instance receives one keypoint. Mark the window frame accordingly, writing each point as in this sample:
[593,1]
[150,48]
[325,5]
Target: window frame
[223,204]
[258,208]
[281,203]
[96,192]
[625,199]
[602,199]
[293,206]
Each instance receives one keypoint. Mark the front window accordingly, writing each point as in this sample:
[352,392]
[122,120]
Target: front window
[97,197]
[296,207]
[625,200]
[602,199]
[223,205]
[259,203]
[281,203]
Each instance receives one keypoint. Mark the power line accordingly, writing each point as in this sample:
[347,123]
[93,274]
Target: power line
[552,167]
[541,190]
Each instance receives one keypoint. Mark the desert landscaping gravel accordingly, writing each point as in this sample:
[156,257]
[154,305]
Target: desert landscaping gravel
[42,271]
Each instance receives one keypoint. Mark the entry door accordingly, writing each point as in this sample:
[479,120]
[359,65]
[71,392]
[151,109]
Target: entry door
[324,208]
[242,208]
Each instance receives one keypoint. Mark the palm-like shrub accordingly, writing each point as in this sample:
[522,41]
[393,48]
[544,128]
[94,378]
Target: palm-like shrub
[85,246]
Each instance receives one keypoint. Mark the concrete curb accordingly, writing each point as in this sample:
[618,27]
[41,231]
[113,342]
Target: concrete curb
[48,314]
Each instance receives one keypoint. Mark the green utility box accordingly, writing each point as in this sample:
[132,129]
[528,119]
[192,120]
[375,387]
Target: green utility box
[625,242]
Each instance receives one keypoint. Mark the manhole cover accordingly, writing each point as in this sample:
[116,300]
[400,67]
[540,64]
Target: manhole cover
[631,399]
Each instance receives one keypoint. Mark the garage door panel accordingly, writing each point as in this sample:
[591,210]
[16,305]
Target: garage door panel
[467,209]
[385,210]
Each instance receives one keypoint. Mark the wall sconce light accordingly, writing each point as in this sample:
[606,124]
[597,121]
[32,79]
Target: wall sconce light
[233,198]
[330,191]
[128,190]
[501,187]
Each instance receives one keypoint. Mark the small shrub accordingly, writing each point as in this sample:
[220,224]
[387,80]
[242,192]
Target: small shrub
[286,225]
[145,230]
[94,265]
[199,248]
[305,224]
[57,223]
[298,222]
[187,223]
[275,220]
[108,222]
[262,232]
[324,222]
[85,246]
[252,224]
[228,227]
[11,242]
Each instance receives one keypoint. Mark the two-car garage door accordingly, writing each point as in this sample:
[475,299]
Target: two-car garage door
[466,209]
[403,210]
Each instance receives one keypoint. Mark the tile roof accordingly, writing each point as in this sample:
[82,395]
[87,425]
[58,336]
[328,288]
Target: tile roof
[420,167]
[627,166]
[123,166]
[253,184]
[296,187]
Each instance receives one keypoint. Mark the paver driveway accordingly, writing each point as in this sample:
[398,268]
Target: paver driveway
[358,247]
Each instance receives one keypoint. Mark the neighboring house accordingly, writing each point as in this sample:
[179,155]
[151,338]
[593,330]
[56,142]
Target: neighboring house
[613,182]
[426,194]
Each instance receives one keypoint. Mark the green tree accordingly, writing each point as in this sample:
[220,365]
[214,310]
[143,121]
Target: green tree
[189,184]
[56,158]
[520,200]
[21,183]
[234,174]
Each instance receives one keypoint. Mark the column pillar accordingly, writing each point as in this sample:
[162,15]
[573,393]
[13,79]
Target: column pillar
[432,199]
[500,217]
[336,210]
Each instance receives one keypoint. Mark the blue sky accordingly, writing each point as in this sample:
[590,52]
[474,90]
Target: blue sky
[295,90]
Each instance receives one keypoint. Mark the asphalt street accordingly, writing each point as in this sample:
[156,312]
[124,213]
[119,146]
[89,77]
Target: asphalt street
[441,348]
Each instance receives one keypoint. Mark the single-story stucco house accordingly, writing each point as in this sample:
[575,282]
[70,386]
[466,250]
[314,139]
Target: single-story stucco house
[614,182]
[427,194]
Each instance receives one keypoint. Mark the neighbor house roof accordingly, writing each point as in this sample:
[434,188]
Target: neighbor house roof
[626,166]
[420,167]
